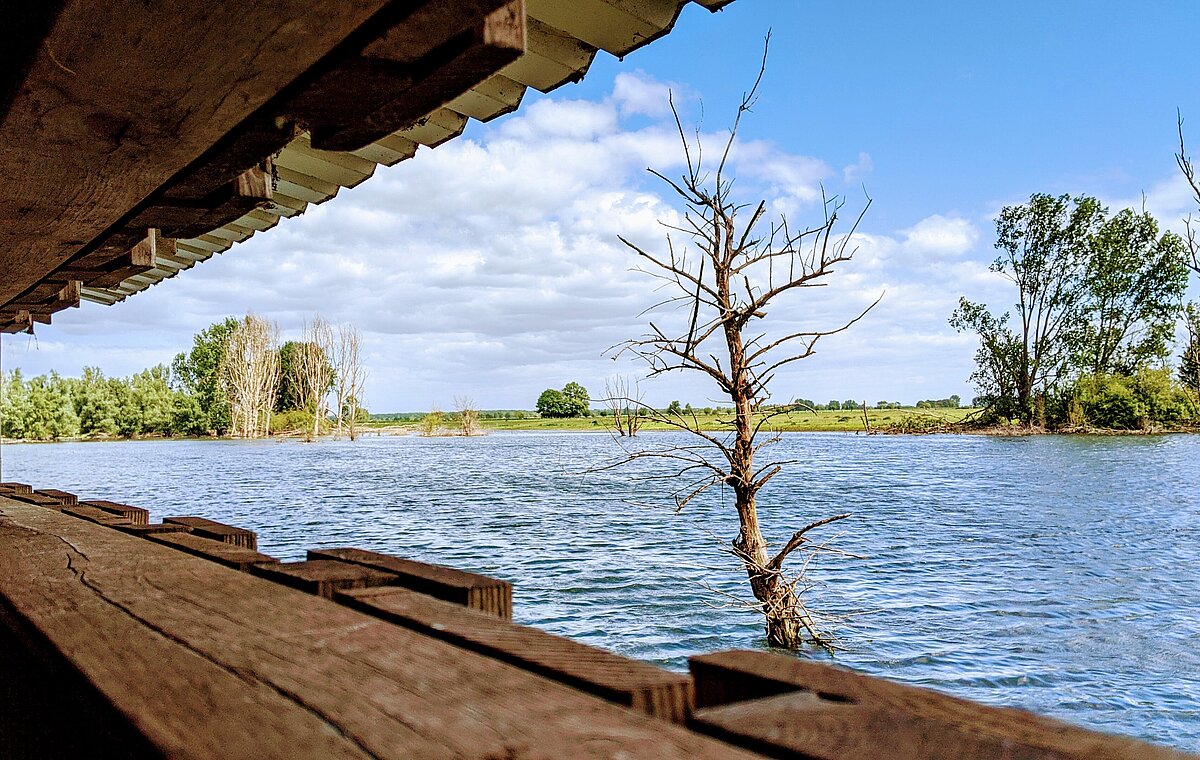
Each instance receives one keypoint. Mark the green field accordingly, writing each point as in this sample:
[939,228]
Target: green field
[821,421]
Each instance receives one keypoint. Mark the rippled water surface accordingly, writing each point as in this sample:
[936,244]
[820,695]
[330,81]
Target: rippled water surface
[1056,574]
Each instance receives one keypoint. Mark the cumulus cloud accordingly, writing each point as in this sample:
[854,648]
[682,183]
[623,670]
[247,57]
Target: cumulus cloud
[490,267]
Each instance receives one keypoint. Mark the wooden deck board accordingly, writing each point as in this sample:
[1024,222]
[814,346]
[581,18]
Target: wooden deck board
[236,557]
[323,577]
[217,531]
[472,590]
[636,684]
[785,705]
[206,662]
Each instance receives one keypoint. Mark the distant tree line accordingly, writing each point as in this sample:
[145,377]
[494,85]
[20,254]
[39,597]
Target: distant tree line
[1088,342]
[236,379]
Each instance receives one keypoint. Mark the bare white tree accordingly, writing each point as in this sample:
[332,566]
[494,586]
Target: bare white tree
[250,373]
[626,404]
[344,352]
[468,415]
[313,372]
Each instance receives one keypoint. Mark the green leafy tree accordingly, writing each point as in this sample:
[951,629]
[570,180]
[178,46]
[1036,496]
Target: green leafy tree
[51,414]
[577,397]
[151,395]
[1189,362]
[1044,248]
[95,402]
[1135,285]
[571,401]
[14,405]
[197,373]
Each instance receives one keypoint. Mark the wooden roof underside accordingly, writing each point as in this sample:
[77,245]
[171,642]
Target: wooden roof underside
[127,157]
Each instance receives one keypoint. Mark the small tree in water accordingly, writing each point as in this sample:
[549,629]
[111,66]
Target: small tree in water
[724,293]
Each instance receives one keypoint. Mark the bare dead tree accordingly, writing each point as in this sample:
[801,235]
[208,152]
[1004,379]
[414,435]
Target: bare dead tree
[1189,173]
[739,267]
[348,376]
[626,404]
[468,415]
[313,372]
[249,371]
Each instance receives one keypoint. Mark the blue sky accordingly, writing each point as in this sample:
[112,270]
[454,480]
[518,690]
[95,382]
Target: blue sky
[489,267]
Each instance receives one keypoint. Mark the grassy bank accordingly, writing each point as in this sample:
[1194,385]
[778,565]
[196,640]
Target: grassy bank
[821,421]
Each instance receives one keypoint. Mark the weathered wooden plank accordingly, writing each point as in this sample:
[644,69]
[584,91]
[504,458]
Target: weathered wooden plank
[121,113]
[66,497]
[322,577]
[40,499]
[644,687]
[876,706]
[801,724]
[14,487]
[151,529]
[96,515]
[204,662]
[459,64]
[472,590]
[17,321]
[236,557]
[217,531]
[135,515]
[189,218]
[114,262]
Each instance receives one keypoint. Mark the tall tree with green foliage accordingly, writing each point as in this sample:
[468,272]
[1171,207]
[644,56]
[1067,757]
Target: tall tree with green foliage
[1135,285]
[1044,247]
[197,373]
[571,401]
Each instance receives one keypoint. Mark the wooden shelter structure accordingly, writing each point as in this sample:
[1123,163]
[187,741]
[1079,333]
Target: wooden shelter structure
[139,139]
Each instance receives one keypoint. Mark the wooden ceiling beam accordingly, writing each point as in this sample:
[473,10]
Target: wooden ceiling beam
[106,114]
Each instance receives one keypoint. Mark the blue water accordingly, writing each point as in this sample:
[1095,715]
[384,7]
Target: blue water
[1056,574]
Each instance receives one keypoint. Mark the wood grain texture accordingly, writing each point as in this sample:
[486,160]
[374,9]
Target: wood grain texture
[205,663]
[95,515]
[135,515]
[726,678]
[236,557]
[110,110]
[644,687]
[218,531]
[322,577]
[66,497]
[472,590]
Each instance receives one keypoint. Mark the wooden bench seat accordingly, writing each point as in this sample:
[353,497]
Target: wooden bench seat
[635,684]
[786,706]
[135,515]
[322,577]
[237,557]
[218,531]
[478,592]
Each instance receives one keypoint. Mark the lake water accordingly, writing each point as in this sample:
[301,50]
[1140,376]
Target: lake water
[1056,574]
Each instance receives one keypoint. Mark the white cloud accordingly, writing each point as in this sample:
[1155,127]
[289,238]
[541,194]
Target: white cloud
[490,267]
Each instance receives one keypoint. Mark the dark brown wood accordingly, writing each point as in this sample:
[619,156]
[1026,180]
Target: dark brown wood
[203,662]
[763,687]
[135,515]
[66,497]
[115,262]
[16,321]
[95,515]
[471,590]
[644,687]
[108,112]
[322,577]
[13,487]
[420,88]
[191,218]
[258,138]
[236,557]
[217,531]
[800,724]
[145,531]
[39,499]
